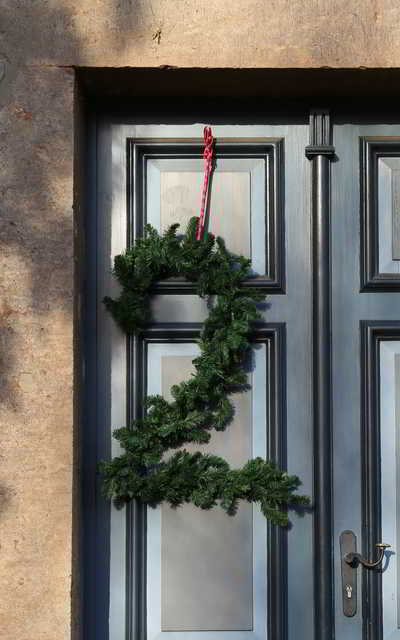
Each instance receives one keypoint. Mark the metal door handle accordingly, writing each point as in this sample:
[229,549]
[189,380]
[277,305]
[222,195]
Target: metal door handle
[350,560]
[354,559]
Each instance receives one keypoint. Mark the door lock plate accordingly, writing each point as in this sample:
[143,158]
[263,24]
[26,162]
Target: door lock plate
[348,544]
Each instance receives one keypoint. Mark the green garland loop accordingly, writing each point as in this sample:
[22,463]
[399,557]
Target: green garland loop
[201,403]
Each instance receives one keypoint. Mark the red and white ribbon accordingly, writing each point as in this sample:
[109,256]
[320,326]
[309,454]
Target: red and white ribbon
[208,156]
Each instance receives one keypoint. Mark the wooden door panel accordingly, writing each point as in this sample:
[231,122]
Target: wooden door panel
[246,196]
[365,312]
[204,568]
[140,582]
[173,193]
[379,172]
[389,422]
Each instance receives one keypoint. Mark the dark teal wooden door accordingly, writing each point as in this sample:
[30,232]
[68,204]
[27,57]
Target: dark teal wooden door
[316,206]
[365,361]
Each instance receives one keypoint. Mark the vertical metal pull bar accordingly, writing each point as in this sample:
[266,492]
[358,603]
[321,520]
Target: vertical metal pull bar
[320,152]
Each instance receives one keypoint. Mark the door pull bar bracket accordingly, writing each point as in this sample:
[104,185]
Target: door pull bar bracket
[348,546]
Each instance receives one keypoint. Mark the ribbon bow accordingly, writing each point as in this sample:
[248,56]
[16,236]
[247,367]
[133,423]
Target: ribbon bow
[208,156]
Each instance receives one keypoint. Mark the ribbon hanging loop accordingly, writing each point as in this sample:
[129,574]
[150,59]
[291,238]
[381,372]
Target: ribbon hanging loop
[208,166]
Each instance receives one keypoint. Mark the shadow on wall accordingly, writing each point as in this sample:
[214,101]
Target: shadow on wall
[36,233]
[5,498]
[71,33]
[38,257]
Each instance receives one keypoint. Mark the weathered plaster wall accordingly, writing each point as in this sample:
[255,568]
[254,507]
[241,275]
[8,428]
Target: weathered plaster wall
[260,33]
[36,342]
[39,43]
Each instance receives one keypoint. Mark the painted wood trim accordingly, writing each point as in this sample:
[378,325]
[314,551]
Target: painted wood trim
[274,336]
[95,443]
[371,149]
[269,149]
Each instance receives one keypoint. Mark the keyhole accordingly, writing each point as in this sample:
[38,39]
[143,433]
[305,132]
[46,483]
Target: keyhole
[349,590]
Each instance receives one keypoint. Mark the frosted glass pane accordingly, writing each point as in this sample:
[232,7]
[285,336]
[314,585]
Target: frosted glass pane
[206,556]
[237,200]
[389,214]
[207,571]
[390,478]
[396,208]
[229,204]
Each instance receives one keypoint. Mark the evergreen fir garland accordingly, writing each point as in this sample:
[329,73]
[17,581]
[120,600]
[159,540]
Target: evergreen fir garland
[201,403]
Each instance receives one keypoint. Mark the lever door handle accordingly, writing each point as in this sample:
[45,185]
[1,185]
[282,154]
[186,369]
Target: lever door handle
[350,560]
[354,559]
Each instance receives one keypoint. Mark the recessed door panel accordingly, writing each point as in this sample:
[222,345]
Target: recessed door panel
[380,221]
[245,204]
[204,566]
[174,190]
[389,391]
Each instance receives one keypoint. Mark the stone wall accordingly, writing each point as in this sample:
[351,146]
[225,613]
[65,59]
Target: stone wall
[41,42]
[192,33]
